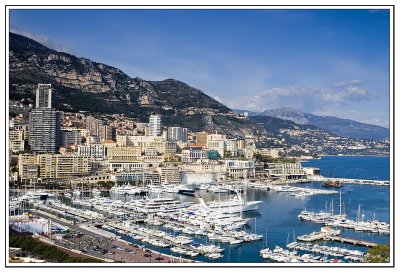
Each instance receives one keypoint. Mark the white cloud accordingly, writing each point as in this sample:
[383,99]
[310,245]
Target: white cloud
[39,38]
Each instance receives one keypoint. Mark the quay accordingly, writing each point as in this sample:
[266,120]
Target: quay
[357,181]
[327,234]
[350,241]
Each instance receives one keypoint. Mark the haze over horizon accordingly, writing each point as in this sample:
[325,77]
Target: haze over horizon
[323,62]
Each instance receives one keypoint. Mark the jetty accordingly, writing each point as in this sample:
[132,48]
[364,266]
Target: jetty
[350,241]
[356,181]
[328,234]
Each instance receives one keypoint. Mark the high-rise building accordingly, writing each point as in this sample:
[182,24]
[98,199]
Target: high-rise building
[43,96]
[44,123]
[178,134]
[155,125]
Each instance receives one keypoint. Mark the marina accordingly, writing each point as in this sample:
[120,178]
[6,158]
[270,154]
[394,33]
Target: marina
[216,227]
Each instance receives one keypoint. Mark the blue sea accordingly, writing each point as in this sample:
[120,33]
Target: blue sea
[277,217]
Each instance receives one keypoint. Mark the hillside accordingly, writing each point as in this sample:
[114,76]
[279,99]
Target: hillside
[80,84]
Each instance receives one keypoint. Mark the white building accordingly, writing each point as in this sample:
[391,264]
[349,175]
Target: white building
[178,134]
[155,125]
[272,152]
[216,142]
[285,170]
[240,168]
[192,154]
[96,151]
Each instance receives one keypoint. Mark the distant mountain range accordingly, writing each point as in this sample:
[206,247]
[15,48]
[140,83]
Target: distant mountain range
[334,125]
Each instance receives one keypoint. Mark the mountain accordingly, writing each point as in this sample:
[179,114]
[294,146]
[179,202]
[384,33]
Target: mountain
[337,126]
[80,84]
[300,140]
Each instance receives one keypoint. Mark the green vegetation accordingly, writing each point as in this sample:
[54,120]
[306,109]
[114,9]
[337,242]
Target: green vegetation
[46,252]
[379,254]
[269,159]
[105,184]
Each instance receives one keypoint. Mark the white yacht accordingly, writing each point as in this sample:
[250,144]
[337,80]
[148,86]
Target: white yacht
[233,205]
[159,204]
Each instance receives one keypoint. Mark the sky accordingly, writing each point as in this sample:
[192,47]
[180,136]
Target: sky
[325,62]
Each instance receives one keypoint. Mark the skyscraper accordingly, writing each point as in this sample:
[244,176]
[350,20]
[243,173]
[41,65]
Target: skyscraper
[44,123]
[155,125]
[43,96]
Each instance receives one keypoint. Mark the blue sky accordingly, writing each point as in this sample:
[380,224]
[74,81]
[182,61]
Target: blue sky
[325,62]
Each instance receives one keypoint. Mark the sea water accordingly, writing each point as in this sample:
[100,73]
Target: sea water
[277,218]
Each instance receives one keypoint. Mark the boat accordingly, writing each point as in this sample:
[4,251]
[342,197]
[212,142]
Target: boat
[332,183]
[158,204]
[216,189]
[233,205]
[96,192]
[186,190]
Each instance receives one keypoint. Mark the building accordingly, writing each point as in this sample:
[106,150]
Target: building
[201,138]
[52,166]
[43,96]
[99,129]
[240,168]
[311,171]
[44,123]
[272,152]
[147,143]
[155,125]
[216,142]
[192,154]
[16,140]
[170,174]
[62,166]
[285,170]
[131,177]
[44,130]
[169,150]
[69,138]
[96,151]
[28,170]
[124,154]
[107,132]
[178,134]
[231,147]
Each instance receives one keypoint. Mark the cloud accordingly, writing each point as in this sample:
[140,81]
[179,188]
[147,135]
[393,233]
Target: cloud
[346,92]
[308,98]
[39,38]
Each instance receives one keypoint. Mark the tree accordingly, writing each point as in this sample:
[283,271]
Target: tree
[378,254]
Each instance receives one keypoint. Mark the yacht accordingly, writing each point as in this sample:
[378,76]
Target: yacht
[183,189]
[233,205]
[159,204]
[216,189]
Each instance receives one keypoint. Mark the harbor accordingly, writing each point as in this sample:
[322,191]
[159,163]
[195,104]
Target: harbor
[180,225]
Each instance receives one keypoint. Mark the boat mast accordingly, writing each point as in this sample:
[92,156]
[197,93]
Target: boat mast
[340,203]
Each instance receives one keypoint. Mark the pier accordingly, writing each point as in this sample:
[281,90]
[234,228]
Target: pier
[350,241]
[357,181]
